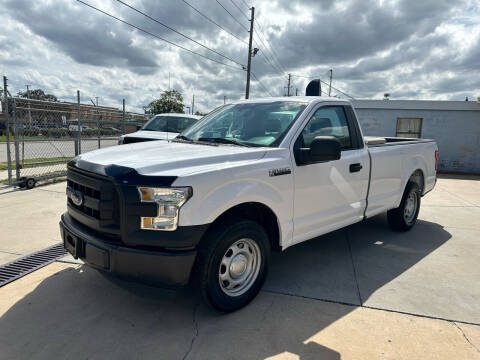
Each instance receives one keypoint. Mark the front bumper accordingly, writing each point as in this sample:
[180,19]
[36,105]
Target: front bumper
[165,267]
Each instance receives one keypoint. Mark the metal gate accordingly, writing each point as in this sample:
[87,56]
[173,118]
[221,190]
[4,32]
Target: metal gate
[39,137]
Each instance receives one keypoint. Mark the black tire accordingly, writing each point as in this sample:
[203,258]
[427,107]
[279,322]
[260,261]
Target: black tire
[30,183]
[213,249]
[397,218]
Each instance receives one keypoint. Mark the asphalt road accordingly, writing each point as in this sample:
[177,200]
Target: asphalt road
[52,148]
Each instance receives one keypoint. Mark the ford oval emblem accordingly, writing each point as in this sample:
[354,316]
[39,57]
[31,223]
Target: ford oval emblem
[77,198]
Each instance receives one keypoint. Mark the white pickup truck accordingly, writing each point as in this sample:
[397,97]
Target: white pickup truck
[160,127]
[250,177]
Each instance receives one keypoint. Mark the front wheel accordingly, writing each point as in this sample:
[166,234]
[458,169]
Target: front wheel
[405,216]
[232,264]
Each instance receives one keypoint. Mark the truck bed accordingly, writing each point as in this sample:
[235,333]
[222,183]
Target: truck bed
[372,141]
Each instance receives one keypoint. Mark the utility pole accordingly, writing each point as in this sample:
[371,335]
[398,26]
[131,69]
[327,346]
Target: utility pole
[249,64]
[296,92]
[169,80]
[288,86]
[193,103]
[330,87]
[224,99]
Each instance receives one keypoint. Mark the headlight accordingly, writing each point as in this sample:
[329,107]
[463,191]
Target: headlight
[169,202]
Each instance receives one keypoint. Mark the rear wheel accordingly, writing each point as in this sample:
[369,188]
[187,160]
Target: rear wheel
[232,264]
[405,216]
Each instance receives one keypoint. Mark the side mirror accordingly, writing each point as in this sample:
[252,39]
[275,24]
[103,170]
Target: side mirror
[138,127]
[325,148]
[322,148]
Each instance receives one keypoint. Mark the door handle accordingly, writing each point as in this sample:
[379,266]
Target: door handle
[355,167]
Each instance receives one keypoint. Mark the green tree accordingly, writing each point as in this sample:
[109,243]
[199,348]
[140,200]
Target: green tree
[38,94]
[171,101]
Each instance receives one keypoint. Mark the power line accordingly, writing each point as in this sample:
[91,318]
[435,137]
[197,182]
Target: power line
[235,4]
[178,32]
[233,17]
[317,77]
[270,47]
[156,36]
[261,84]
[248,6]
[215,23]
[269,62]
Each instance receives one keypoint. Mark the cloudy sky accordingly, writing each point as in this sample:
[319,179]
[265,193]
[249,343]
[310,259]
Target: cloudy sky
[412,49]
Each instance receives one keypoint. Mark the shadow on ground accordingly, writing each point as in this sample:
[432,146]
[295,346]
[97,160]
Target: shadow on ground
[78,313]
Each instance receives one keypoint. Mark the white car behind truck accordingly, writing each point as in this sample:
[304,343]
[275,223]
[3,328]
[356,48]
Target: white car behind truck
[250,177]
[160,127]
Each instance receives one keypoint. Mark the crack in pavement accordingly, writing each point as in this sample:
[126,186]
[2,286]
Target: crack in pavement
[195,332]
[353,266]
[264,316]
[368,307]
[454,194]
[465,336]
[10,253]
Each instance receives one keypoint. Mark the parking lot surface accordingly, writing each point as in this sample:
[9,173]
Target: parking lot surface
[363,292]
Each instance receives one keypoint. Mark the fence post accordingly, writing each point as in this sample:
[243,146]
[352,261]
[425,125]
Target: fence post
[98,129]
[7,128]
[79,128]
[123,117]
[15,139]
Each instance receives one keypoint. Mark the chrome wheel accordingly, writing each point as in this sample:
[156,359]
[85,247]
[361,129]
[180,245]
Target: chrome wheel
[239,267]
[410,209]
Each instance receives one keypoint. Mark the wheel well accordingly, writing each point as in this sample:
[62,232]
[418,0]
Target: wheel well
[418,178]
[259,213]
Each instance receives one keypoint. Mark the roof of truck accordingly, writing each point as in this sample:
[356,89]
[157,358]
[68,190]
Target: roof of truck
[304,99]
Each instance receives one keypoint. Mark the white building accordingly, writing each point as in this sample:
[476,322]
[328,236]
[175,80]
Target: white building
[455,125]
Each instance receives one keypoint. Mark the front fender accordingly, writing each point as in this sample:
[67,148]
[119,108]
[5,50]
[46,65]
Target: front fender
[276,194]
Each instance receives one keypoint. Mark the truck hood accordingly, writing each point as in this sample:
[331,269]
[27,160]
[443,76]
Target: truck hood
[160,135]
[167,158]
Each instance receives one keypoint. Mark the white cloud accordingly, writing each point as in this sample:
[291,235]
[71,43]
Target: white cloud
[409,48]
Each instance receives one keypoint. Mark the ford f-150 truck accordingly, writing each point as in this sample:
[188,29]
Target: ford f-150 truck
[207,207]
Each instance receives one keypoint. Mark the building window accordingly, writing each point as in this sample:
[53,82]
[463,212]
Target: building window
[409,127]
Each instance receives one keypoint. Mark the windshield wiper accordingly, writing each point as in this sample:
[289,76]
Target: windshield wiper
[182,137]
[222,141]
[148,130]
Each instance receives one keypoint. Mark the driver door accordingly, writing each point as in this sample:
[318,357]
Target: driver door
[330,195]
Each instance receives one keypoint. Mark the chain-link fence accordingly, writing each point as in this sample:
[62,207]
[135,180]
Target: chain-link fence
[38,138]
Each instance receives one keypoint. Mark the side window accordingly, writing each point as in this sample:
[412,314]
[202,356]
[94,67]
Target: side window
[327,121]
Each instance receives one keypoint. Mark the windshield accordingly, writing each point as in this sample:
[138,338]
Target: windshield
[175,124]
[254,124]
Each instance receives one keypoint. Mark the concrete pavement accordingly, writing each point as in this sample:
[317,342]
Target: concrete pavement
[29,219]
[359,293]
[72,312]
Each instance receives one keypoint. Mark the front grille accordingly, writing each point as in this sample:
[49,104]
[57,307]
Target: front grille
[131,139]
[86,191]
[99,205]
